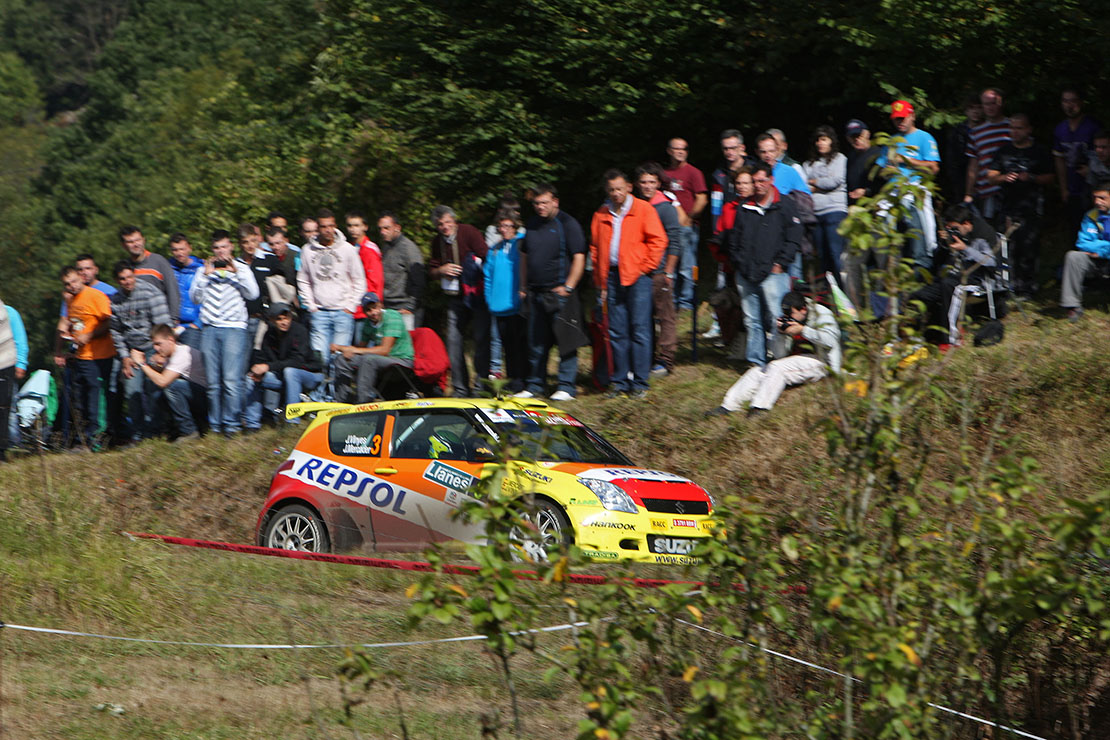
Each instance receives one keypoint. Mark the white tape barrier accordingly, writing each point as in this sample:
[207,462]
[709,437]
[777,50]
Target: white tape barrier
[258,646]
[475,638]
[806,663]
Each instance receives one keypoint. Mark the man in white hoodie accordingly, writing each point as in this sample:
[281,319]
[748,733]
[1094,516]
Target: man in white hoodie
[330,281]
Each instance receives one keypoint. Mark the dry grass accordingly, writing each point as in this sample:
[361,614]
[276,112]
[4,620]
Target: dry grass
[63,563]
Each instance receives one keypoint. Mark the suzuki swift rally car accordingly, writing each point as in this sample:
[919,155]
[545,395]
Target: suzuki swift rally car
[389,476]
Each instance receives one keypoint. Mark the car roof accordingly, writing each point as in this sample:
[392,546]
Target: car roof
[329,410]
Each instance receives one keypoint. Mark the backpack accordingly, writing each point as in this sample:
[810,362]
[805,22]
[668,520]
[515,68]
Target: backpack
[472,282]
[803,209]
[429,357]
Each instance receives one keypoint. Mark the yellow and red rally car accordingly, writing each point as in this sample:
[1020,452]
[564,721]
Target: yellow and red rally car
[389,476]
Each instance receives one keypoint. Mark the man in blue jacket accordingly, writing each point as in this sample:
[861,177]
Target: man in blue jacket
[13,367]
[1092,249]
[185,267]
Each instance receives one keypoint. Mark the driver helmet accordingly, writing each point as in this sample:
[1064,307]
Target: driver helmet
[445,444]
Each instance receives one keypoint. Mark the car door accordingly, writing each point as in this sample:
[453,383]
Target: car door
[434,457]
[355,445]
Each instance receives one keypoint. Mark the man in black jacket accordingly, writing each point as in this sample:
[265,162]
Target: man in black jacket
[263,265]
[286,360]
[762,244]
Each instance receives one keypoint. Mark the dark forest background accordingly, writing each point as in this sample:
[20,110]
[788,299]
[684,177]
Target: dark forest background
[189,115]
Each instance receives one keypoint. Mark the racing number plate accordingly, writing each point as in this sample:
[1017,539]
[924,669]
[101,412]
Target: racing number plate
[671,545]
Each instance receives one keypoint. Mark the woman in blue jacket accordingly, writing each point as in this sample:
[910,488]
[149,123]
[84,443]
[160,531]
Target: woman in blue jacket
[504,297]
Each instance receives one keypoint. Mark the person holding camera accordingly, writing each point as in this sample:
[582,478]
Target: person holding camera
[969,260]
[962,267]
[815,349]
[222,290]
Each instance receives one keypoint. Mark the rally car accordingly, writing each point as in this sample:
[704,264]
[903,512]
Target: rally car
[388,477]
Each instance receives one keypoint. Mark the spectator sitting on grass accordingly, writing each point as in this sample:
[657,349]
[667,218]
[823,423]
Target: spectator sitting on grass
[178,370]
[816,348]
[286,360]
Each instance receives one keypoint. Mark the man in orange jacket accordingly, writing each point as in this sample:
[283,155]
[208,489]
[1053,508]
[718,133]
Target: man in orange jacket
[627,241]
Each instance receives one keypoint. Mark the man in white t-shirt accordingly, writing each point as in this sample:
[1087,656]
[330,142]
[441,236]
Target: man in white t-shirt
[178,371]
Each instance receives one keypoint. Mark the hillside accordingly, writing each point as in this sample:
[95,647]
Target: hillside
[64,563]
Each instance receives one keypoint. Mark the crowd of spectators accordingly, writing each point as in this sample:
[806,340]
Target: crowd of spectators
[221,343]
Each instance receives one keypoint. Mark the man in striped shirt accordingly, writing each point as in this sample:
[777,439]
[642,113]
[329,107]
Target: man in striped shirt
[222,290]
[982,143]
[136,309]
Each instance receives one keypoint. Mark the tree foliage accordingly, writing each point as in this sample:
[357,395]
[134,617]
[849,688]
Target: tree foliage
[20,99]
[190,115]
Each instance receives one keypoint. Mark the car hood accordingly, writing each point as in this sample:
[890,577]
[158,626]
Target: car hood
[645,486]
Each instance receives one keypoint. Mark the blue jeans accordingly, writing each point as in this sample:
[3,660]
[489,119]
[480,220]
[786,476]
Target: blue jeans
[190,337]
[330,326]
[758,299]
[294,379]
[687,260]
[185,399]
[829,243]
[90,381]
[496,354]
[142,396]
[630,332]
[223,349]
[461,317]
[795,269]
[541,338]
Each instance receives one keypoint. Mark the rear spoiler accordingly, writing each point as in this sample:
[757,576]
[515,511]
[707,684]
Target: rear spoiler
[295,410]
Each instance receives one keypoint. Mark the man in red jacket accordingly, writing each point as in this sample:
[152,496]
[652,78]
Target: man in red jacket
[627,241]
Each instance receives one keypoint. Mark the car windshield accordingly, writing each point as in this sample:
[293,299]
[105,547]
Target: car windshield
[554,437]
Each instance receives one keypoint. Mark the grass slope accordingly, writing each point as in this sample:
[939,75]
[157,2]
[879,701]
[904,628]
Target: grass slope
[64,563]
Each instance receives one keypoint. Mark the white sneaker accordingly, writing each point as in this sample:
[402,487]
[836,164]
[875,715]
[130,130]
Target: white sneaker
[713,332]
[562,396]
[524,394]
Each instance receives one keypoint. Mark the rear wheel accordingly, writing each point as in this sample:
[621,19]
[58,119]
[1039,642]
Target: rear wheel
[297,527]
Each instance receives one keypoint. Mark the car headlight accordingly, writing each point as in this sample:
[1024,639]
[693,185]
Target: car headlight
[611,496]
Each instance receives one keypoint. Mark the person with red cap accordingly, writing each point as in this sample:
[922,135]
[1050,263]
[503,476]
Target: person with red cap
[914,152]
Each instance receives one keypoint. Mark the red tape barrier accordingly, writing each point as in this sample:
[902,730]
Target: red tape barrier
[411,565]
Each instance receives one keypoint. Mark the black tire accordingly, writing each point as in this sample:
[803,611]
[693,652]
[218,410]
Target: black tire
[297,527]
[553,524]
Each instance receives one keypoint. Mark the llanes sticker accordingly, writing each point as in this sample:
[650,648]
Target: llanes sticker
[448,477]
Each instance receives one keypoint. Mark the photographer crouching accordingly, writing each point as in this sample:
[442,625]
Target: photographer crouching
[967,264]
[815,348]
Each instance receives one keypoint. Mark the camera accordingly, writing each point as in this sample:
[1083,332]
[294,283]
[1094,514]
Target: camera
[219,263]
[785,321]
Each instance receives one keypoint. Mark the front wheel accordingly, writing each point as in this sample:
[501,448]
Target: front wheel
[297,527]
[553,525]
[553,529]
